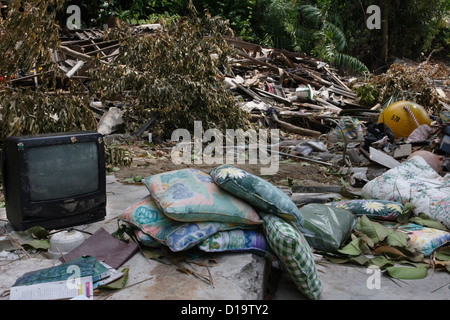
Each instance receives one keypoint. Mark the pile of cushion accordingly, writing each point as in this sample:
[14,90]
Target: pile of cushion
[230,209]
[227,210]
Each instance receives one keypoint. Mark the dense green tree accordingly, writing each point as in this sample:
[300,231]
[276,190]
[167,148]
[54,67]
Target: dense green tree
[333,30]
[408,28]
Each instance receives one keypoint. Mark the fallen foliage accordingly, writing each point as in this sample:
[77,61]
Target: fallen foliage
[172,76]
[406,83]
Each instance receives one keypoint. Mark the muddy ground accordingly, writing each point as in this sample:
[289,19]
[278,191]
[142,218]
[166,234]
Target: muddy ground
[290,171]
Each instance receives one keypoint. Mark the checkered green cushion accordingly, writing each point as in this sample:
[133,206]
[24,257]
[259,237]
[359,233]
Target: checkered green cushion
[294,253]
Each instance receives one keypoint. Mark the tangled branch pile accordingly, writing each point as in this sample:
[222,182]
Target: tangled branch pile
[407,83]
[29,38]
[171,75]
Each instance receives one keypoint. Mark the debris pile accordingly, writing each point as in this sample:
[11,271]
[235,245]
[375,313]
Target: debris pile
[389,136]
[298,91]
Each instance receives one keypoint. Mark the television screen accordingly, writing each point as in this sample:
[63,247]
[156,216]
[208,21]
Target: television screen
[62,171]
[54,180]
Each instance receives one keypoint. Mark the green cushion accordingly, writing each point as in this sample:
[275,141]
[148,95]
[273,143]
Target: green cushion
[259,193]
[294,253]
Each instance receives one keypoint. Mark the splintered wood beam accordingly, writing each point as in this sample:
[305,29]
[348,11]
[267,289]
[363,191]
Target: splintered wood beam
[76,54]
[103,49]
[74,69]
[294,129]
[277,69]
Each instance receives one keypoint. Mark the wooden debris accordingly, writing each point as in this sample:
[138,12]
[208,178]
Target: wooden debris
[383,158]
[272,78]
[291,128]
[261,78]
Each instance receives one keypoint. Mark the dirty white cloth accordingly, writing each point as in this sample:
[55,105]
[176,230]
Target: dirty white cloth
[416,182]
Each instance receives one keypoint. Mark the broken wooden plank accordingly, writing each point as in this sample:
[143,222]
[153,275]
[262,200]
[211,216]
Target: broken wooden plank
[104,49]
[76,54]
[277,69]
[248,46]
[383,158]
[294,129]
[75,68]
[339,82]
[273,96]
[251,93]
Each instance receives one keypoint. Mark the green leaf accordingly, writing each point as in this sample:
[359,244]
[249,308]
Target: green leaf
[352,249]
[442,255]
[117,284]
[35,237]
[367,240]
[39,244]
[408,273]
[38,232]
[426,221]
[415,264]
[444,250]
[381,261]
[376,231]
[361,259]
[338,260]
[399,253]
[390,252]
[406,214]
[134,179]
[397,238]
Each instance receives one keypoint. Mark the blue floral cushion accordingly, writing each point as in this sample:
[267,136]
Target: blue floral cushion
[178,236]
[376,209]
[237,240]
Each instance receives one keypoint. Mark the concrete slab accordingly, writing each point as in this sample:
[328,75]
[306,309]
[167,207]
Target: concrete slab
[234,277]
[351,282]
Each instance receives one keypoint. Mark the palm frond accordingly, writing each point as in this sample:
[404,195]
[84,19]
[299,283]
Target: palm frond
[312,14]
[349,63]
[279,10]
[338,36]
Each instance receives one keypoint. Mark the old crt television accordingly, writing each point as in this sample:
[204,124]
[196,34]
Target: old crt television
[54,180]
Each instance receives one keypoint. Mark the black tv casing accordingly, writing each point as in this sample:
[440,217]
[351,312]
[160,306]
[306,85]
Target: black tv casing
[22,212]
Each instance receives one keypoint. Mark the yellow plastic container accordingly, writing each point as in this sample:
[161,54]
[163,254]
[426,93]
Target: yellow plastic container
[403,117]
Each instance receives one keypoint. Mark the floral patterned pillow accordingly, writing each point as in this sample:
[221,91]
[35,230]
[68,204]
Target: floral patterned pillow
[261,194]
[191,195]
[416,182]
[237,240]
[425,239]
[376,209]
[178,236]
